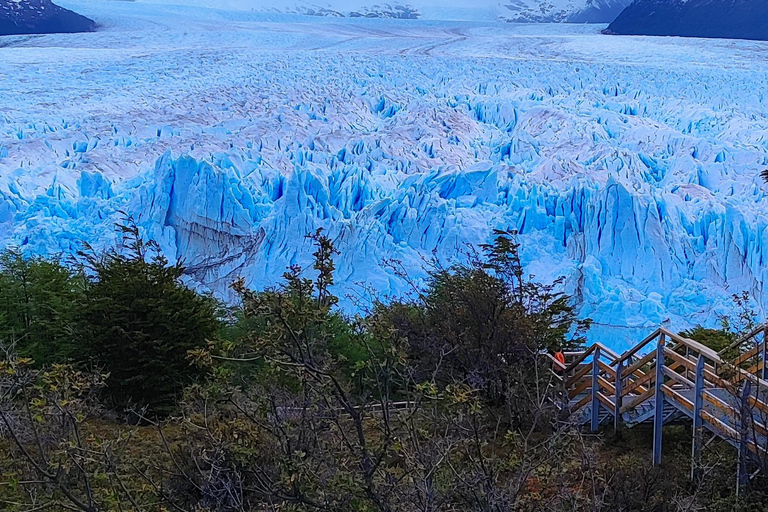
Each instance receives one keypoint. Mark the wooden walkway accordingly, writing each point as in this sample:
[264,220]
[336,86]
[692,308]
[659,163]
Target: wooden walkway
[667,378]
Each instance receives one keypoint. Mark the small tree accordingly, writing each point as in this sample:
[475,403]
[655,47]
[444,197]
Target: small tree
[138,321]
[487,325]
[38,303]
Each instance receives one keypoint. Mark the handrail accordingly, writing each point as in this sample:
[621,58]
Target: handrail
[581,356]
[639,363]
[578,375]
[754,332]
[606,350]
[679,368]
[749,354]
[634,350]
[576,362]
[695,345]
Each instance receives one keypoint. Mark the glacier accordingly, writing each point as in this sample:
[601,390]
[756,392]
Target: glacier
[629,165]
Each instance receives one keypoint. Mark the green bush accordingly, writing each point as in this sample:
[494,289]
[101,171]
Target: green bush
[38,303]
[138,322]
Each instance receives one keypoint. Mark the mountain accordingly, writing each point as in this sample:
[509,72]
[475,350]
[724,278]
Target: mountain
[731,19]
[40,17]
[384,10]
[514,11]
[568,11]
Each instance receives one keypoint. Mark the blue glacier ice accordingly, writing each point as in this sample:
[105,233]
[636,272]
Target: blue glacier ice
[629,166]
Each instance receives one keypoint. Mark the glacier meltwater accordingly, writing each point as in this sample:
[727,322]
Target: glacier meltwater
[630,166]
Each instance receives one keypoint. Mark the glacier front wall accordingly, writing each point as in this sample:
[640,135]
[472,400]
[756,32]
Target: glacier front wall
[639,184]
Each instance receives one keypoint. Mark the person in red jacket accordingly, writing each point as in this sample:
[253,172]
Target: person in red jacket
[560,358]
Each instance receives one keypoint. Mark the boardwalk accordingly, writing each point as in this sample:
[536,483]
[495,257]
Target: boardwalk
[667,378]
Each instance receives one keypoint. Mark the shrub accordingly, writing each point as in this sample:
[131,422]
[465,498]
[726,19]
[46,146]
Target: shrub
[486,325]
[38,303]
[139,321]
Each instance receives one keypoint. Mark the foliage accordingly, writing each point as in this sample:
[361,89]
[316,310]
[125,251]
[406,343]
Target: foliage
[716,339]
[488,326]
[39,300]
[138,321]
[443,401]
[344,417]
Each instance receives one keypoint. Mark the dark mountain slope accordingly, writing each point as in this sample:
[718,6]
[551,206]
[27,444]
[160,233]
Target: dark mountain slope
[733,19]
[40,17]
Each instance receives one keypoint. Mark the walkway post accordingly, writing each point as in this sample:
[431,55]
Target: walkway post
[658,415]
[764,371]
[595,389]
[745,413]
[617,397]
[698,403]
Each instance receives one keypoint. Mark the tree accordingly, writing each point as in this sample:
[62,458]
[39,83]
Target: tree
[487,325]
[38,303]
[400,432]
[138,321]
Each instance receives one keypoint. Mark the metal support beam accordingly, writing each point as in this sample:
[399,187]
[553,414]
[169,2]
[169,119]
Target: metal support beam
[617,397]
[658,415]
[594,424]
[698,431]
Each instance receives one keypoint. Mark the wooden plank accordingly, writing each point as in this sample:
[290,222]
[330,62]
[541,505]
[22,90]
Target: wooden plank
[581,403]
[694,345]
[605,351]
[580,388]
[709,371]
[744,338]
[606,385]
[576,362]
[578,375]
[607,402]
[754,369]
[682,400]
[646,378]
[638,400]
[639,364]
[731,411]
[677,377]
[688,362]
[747,355]
[725,431]
[607,369]
[637,348]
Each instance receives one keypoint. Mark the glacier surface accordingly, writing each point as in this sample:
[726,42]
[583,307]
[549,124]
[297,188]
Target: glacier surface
[630,166]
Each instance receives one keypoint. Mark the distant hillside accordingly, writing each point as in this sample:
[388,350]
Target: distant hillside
[514,11]
[40,17]
[732,19]
[383,10]
[568,11]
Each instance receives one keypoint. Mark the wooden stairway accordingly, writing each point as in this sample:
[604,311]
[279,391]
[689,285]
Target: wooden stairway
[667,378]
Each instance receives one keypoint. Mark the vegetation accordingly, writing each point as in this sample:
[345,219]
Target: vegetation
[38,307]
[440,401]
[138,321]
